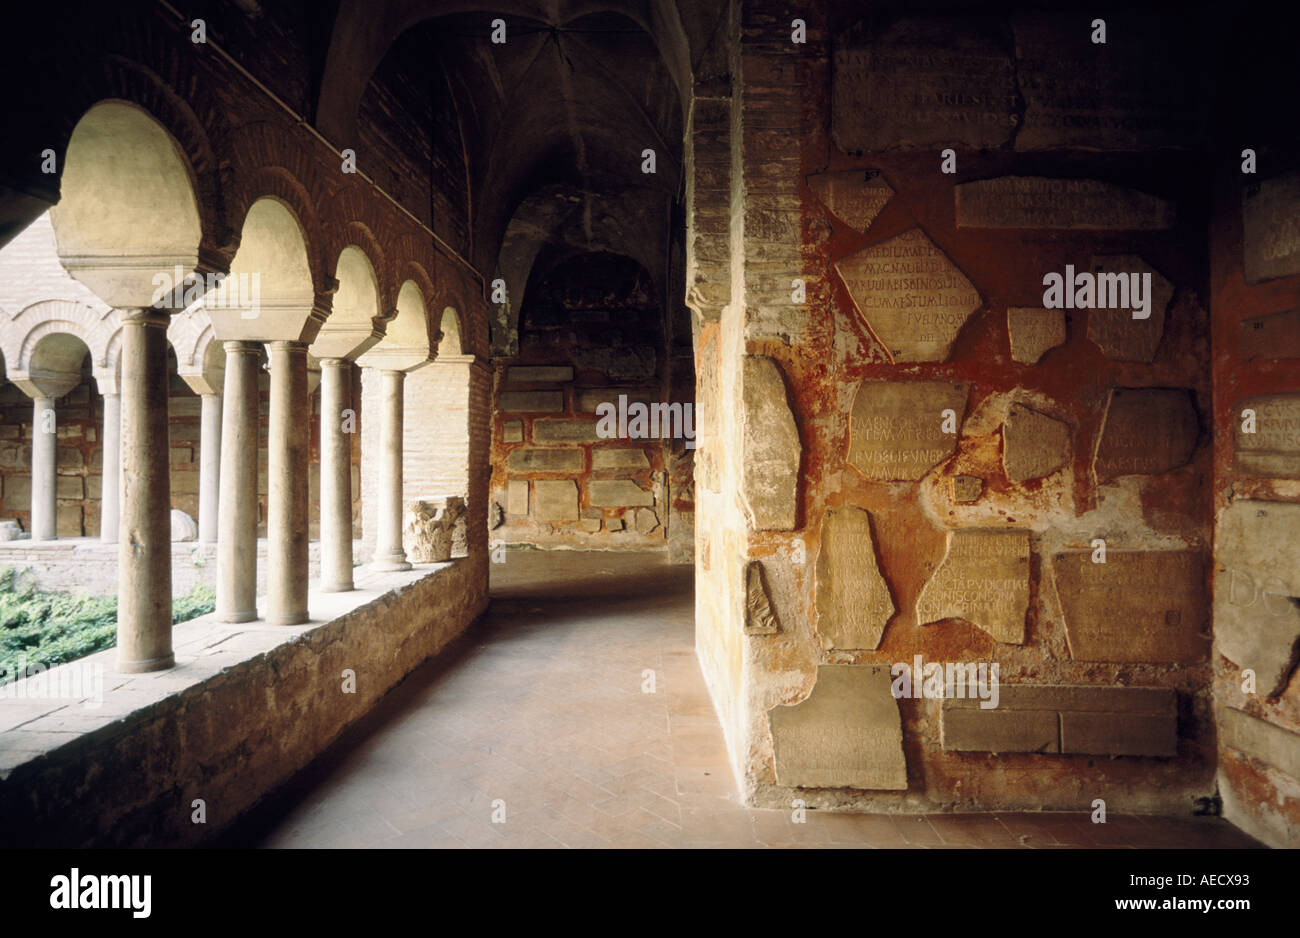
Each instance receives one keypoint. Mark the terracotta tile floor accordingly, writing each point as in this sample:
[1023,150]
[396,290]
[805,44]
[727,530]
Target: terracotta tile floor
[540,711]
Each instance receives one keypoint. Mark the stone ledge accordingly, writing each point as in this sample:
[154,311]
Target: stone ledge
[246,707]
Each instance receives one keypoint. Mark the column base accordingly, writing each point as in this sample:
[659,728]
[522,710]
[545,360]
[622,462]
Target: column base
[148,664]
[390,566]
[293,618]
[233,617]
[347,587]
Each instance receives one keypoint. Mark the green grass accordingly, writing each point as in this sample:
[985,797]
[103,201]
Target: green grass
[43,628]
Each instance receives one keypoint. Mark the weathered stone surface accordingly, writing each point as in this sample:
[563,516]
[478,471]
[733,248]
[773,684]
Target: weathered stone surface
[1042,202]
[853,600]
[1146,431]
[1033,444]
[512,431]
[1034,331]
[912,297]
[1070,719]
[922,82]
[1138,91]
[984,580]
[615,524]
[771,447]
[1114,330]
[854,197]
[517,496]
[896,428]
[617,493]
[1137,606]
[539,373]
[644,520]
[555,500]
[1271,229]
[622,362]
[1259,739]
[430,527]
[1273,450]
[542,459]
[1256,585]
[619,459]
[1273,337]
[542,402]
[846,734]
[760,617]
[183,526]
[590,525]
[586,400]
[966,489]
[497,515]
[565,431]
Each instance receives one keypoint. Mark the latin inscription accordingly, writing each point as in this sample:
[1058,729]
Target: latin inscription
[1273,449]
[983,579]
[1040,202]
[896,430]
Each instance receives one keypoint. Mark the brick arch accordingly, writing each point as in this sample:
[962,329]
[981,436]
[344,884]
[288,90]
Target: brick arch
[280,183]
[416,273]
[20,334]
[123,79]
[361,235]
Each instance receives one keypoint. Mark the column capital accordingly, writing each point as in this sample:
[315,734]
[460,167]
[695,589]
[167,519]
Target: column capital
[287,345]
[333,363]
[145,316]
[239,347]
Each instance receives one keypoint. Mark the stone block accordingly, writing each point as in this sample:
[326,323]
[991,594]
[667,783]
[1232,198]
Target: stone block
[590,525]
[586,400]
[760,617]
[630,362]
[617,493]
[967,730]
[1113,734]
[846,734]
[512,431]
[517,496]
[1138,606]
[565,431]
[70,459]
[984,580]
[615,524]
[17,492]
[619,459]
[72,487]
[644,520]
[1113,328]
[1034,331]
[1273,450]
[1146,431]
[1033,444]
[896,429]
[771,448]
[1271,228]
[540,402]
[1256,582]
[539,373]
[538,459]
[855,197]
[180,454]
[1040,202]
[853,600]
[1273,338]
[884,281]
[555,501]
[1259,739]
[966,489]
[68,520]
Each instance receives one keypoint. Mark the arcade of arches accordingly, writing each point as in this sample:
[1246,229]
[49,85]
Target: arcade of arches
[326,305]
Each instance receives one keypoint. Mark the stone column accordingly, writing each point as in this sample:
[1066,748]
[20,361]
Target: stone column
[144,593]
[110,481]
[209,466]
[45,441]
[237,522]
[286,528]
[389,554]
[335,477]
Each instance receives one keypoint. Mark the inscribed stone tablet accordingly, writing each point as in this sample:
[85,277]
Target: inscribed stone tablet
[1139,90]
[854,197]
[1271,229]
[517,496]
[846,734]
[531,401]
[1273,450]
[512,431]
[555,500]
[1041,202]
[619,459]
[853,601]
[544,460]
[1116,332]
[1146,431]
[1137,606]
[565,431]
[1257,576]
[912,297]
[983,579]
[1033,444]
[1271,337]
[896,428]
[617,493]
[966,489]
[539,373]
[923,82]
[1033,331]
[771,447]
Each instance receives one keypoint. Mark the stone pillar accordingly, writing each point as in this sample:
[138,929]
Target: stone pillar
[335,477]
[389,554]
[237,523]
[45,441]
[110,482]
[209,467]
[144,593]
[286,528]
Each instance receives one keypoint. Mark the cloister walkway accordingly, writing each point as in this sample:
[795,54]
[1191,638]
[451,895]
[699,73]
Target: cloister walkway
[539,715]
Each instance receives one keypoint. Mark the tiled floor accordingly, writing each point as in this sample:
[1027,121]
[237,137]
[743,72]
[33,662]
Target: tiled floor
[540,713]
